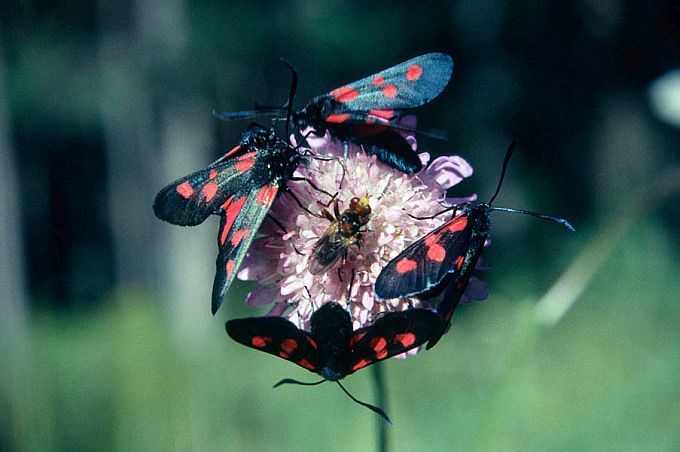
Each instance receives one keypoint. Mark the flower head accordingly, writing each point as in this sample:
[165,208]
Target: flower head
[280,258]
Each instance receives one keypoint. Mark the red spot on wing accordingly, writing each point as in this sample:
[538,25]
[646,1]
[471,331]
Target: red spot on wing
[431,239]
[406,265]
[405,339]
[385,114]
[361,364]
[378,80]
[185,190]
[436,252]
[312,342]
[209,190]
[306,364]
[230,267]
[459,262]
[337,118]
[289,345]
[231,212]
[284,355]
[249,155]
[266,194]
[261,341]
[356,338]
[226,203]
[245,162]
[213,173]
[414,72]
[457,224]
[389,91]
[345,94]
[378,343]
[232,152]
[239,235]
[382,354]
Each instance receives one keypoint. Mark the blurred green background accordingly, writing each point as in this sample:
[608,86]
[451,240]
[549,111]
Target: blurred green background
[106,335]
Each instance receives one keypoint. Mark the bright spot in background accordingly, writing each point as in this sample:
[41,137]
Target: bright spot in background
[664,95]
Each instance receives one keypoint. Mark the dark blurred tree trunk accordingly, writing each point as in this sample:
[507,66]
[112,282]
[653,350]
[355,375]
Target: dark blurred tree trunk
[130,142]
[154,134]
[13,311]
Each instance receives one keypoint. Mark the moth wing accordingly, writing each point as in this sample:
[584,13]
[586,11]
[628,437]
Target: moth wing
[241,218]
[276,336]
[392,334]
[188,201]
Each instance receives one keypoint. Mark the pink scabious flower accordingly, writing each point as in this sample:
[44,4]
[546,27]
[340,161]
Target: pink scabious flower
[279,261]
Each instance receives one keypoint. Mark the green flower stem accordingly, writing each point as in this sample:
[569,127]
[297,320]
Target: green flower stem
[380,388]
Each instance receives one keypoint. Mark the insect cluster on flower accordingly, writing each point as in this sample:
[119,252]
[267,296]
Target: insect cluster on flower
[379,276]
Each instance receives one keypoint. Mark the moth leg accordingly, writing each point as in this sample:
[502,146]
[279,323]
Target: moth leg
[299,203]
[313,185]
[277,223]
[304,138]
[448,209]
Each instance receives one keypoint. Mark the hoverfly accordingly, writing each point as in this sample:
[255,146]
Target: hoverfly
[343,232]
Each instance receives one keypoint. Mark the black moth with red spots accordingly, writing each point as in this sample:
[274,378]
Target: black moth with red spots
[366,111]
[332,349]
[444,258]
[240,187]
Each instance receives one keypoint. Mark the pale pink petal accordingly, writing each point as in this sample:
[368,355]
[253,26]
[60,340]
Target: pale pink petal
[448,171]
[278,309]
[262,296]
[424,159]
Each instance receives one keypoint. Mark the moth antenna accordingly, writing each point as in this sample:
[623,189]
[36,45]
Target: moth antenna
[436,134]
[236,115]
[291,95]
[508,154]
[373,408]
[559,220]
[290,381]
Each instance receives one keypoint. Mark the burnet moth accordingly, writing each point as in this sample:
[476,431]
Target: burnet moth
[366,112]
[332,348]
[240,187]
[444,259]
[343,232]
